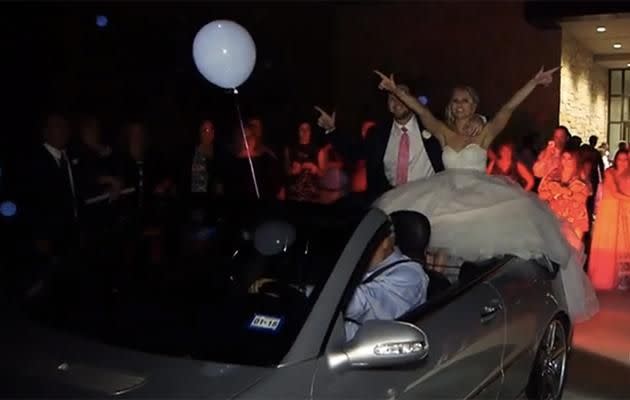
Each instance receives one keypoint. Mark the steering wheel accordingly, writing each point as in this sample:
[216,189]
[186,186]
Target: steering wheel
[277,289]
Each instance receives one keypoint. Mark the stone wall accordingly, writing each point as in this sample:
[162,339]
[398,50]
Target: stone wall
[583,91]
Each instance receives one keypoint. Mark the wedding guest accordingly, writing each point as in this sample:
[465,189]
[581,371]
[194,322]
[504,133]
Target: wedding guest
[566,193]
[549,159]
[302,166]
[609,264]
[604,151]
[266,182]
[205,180]
[505,164]
[53,195]
[95,160]
[359,172]
[334,180]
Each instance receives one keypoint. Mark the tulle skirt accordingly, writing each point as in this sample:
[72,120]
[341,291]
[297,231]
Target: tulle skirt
[476,216]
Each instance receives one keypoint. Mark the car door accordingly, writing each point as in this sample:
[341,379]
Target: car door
[465,332]
[526,288]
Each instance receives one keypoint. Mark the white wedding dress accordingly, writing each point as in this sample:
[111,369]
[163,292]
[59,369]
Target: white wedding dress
[476,216]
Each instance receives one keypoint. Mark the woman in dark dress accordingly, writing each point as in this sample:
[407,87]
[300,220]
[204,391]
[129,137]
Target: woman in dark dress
[239,183]
[205,183]
[204,174]
[302,167]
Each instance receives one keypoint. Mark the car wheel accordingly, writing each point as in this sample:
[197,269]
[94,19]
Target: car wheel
[549,372]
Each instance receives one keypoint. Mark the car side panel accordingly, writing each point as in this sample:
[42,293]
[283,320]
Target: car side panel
[527,290]
[463,359]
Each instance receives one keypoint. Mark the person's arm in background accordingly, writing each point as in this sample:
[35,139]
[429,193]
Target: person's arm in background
[492,159]
[276,176]
[526,175]
[291,168]
[351,147]
[549,189]
[542,164]
[600,164]
[580,191]
[322,160]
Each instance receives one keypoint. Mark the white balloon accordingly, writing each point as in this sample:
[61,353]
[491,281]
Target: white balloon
[224,53]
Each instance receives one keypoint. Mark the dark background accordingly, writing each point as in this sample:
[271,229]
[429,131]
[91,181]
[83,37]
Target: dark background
[140,66]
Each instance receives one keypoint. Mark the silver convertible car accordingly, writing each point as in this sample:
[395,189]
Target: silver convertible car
[496,329]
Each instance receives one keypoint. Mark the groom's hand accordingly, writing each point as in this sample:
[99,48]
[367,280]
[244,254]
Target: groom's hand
[474,126]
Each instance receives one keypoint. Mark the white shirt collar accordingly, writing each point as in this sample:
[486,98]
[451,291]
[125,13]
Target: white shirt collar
[411,125]
[56,153]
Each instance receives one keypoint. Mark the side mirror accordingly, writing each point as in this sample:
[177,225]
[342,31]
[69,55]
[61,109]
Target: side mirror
[380,344]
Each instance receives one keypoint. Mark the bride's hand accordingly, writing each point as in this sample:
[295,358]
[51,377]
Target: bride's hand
[543,77]
[387,84]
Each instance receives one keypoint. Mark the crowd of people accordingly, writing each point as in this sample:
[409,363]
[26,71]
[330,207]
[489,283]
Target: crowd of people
[92,189]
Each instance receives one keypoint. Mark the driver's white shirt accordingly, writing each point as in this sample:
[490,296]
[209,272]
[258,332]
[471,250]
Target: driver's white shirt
[390,295]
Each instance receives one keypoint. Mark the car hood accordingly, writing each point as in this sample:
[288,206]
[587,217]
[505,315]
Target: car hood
[40,362]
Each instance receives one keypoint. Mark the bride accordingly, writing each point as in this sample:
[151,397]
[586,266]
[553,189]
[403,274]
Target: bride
[476,216]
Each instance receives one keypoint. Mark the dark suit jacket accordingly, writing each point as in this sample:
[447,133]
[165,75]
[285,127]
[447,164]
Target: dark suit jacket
[372,150]
[48,197]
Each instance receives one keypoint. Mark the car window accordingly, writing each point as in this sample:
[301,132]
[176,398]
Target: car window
[207,311]
[386,284]
[364,261]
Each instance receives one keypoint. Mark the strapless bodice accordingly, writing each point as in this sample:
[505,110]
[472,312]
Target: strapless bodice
[472,156]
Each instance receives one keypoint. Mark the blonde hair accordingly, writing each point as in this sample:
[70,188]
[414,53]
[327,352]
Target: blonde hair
[450,118]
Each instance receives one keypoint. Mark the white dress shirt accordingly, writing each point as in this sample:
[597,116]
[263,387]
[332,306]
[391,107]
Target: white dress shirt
[419,163]
[57,155]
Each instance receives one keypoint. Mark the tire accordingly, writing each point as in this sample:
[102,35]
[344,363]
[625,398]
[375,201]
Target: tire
[549,372]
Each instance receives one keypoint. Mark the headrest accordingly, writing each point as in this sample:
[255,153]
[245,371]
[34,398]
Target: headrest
[413,231]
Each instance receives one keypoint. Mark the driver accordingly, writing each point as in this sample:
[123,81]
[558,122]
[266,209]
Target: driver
[392,285]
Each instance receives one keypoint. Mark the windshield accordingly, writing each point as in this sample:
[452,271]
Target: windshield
[240,291]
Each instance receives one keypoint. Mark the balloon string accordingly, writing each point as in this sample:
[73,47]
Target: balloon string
[249,154]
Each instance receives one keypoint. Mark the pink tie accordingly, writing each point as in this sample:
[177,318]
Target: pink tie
[402,167]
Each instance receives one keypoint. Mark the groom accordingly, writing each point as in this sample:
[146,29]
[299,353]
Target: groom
[396,152]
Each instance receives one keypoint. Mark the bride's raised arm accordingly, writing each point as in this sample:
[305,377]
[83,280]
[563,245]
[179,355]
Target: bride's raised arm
[500,120]
[433,125]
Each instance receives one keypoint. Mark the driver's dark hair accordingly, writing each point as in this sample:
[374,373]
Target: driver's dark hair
[413,231]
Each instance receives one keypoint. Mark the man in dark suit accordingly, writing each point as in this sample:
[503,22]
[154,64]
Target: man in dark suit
[50,198]
[396,152]
[52,191]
